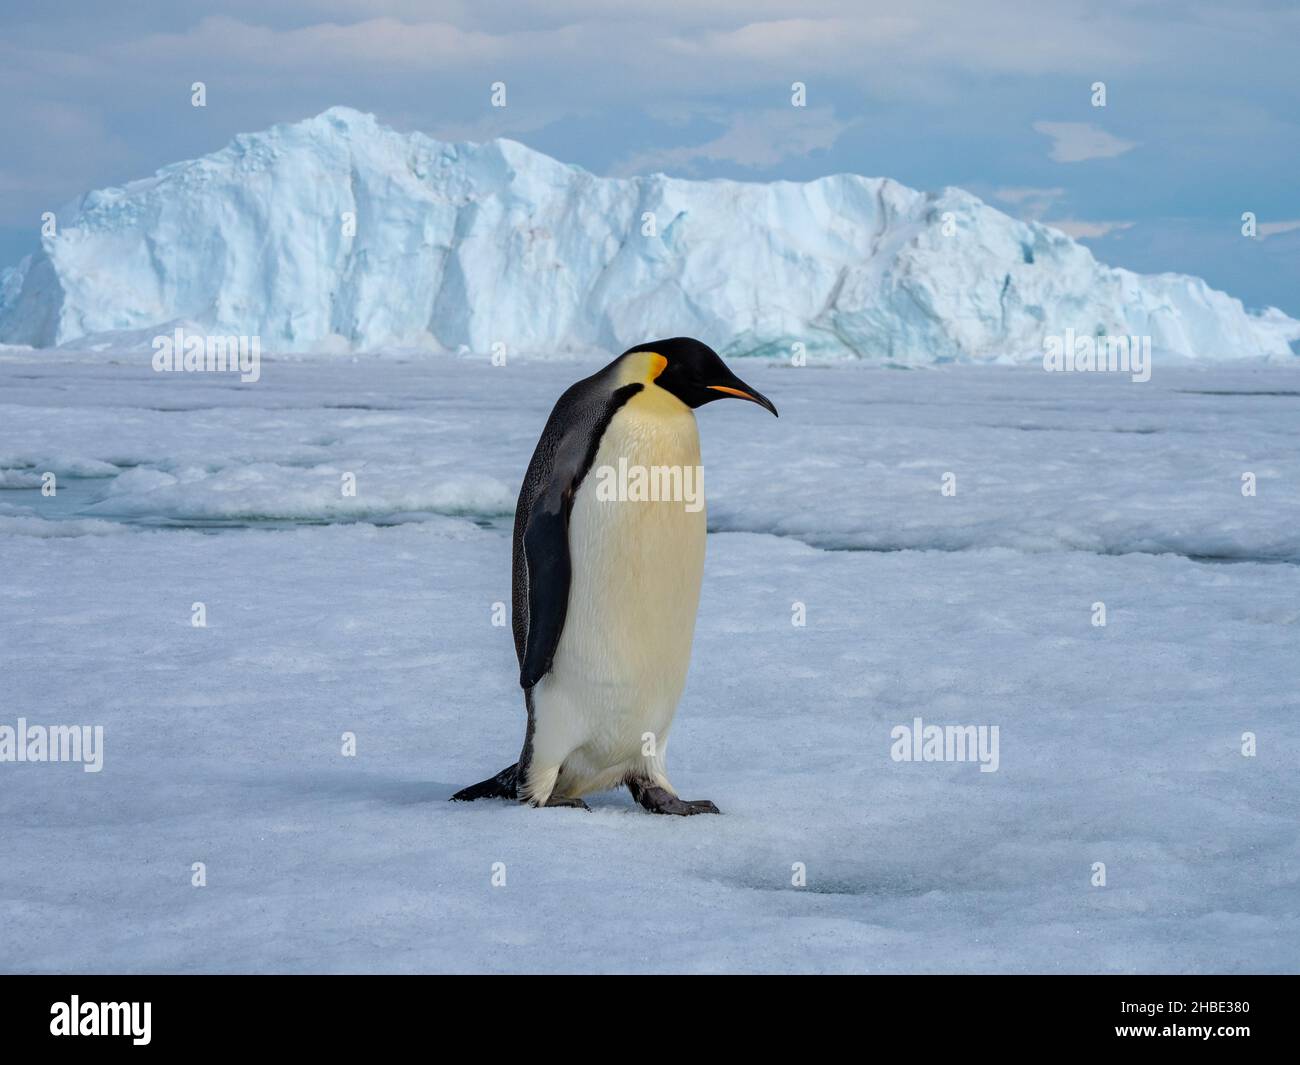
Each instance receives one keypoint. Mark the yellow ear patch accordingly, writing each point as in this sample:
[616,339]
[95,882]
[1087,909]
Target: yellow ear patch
[641,368]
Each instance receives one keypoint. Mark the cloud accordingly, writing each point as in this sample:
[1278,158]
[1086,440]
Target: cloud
[1272,229]
[1075,142]
[1084,230]
[944,38]
[1033,203]
[379,43]
[514,122]
[754,139]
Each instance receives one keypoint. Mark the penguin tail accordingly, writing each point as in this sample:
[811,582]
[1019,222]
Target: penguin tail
[505,785]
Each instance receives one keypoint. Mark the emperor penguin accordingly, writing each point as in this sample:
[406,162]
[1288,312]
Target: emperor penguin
[606,578]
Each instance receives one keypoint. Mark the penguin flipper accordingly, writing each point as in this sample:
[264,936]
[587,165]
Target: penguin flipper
[546,548]
[563,457]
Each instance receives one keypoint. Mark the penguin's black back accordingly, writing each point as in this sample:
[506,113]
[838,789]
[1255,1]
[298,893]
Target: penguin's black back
[541,565]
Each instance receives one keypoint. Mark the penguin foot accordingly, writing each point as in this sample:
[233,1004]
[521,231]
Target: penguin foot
[560,800]
[661,801]
[505,785]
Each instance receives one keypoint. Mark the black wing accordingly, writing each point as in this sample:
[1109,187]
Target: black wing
[542,565]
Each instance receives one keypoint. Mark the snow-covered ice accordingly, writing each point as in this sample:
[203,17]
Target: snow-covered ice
[338,232]
[372,615]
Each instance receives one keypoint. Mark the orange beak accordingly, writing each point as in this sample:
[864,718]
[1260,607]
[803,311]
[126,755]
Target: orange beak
[752,396]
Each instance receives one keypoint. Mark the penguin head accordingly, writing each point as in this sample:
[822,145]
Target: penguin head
[696,374]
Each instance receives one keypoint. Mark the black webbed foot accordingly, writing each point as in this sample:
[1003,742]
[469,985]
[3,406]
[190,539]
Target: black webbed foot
[560,800]
[661,801]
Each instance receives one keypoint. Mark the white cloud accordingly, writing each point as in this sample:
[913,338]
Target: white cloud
[852,36]
[1033,203]
[755,139]
[1074,142]
[1083,230]
[375,44]
[1022,194]
[1272,229]
[513,122]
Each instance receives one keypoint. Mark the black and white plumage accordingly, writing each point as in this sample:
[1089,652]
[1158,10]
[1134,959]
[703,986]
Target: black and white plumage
[605,592]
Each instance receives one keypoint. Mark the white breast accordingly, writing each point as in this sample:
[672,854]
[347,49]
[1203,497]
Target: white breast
[622,658]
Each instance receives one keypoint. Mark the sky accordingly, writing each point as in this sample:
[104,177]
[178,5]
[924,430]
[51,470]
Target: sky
[1201,121]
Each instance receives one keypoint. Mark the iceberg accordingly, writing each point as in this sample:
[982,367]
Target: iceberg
[339,234]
